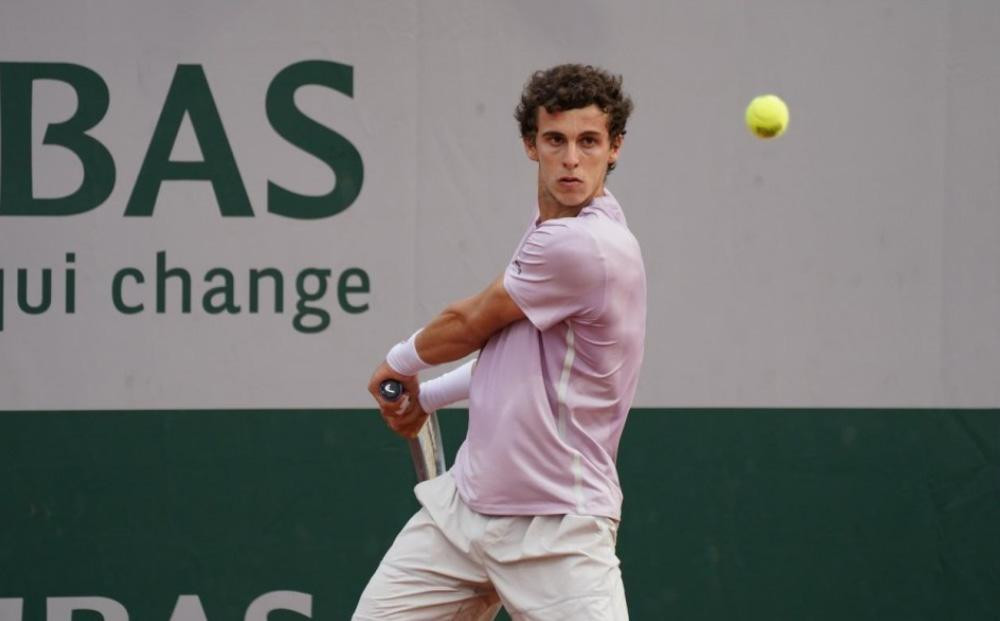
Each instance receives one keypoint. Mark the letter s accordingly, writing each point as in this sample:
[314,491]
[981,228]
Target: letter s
[327,145]
[279,600]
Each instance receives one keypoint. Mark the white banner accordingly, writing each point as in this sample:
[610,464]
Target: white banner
[322,178]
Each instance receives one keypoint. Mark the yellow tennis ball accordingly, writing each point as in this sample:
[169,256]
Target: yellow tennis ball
[767,116]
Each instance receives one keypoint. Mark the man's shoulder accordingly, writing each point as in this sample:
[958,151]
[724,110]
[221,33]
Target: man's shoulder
[568,237]
[606,227]
[560,246]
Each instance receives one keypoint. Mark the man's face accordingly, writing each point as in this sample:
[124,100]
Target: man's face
[573,151]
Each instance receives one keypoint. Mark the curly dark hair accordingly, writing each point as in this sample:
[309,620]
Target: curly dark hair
[571,86]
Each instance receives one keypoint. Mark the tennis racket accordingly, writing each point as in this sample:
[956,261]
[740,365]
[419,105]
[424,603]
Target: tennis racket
[426,449]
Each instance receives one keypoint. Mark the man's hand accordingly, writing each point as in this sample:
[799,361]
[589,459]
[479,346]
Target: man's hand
[404,416]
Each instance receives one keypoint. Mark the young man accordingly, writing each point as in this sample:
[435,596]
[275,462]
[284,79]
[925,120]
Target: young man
[528,515]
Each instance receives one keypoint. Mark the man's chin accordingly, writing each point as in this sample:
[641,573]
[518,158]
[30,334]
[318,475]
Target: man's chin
[578,202]
[573,199]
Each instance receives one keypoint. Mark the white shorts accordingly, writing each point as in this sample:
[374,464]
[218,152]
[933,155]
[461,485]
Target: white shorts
[450,562]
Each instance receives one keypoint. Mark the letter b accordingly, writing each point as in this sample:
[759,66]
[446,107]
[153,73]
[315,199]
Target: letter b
[11,608]
[61,608]
[16,197]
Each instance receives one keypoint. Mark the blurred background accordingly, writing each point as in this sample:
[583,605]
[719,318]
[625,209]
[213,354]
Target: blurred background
[816,432]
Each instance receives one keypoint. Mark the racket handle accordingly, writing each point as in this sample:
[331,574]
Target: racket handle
[391,390]
[427,449]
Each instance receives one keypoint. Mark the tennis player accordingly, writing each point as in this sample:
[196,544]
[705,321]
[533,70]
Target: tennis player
[528,515]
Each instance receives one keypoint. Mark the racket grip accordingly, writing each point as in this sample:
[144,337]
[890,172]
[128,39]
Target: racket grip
[427,449]
[391,390]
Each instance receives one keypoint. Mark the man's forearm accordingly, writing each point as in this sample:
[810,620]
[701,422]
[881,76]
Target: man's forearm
[447,389]
[451,335]
[466,325]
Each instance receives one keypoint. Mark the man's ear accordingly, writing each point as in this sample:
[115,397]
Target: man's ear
[616,147]
[530,149]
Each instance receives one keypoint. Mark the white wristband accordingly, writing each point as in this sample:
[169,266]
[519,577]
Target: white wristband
[449,388]
[404,359]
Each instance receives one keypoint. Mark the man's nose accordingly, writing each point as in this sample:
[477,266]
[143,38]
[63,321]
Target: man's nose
[572,157]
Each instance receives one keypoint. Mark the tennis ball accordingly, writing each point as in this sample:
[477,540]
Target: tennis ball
[767,116]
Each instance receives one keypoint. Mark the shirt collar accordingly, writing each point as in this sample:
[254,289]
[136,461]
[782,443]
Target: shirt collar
[606,204]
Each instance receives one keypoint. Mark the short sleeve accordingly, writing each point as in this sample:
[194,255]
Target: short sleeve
[558,273]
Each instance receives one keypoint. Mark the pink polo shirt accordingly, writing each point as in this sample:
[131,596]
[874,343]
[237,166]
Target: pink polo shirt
[550,394]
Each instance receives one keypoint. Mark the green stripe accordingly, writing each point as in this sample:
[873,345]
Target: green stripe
[729,513]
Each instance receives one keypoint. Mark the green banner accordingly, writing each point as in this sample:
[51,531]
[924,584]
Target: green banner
[729,514]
